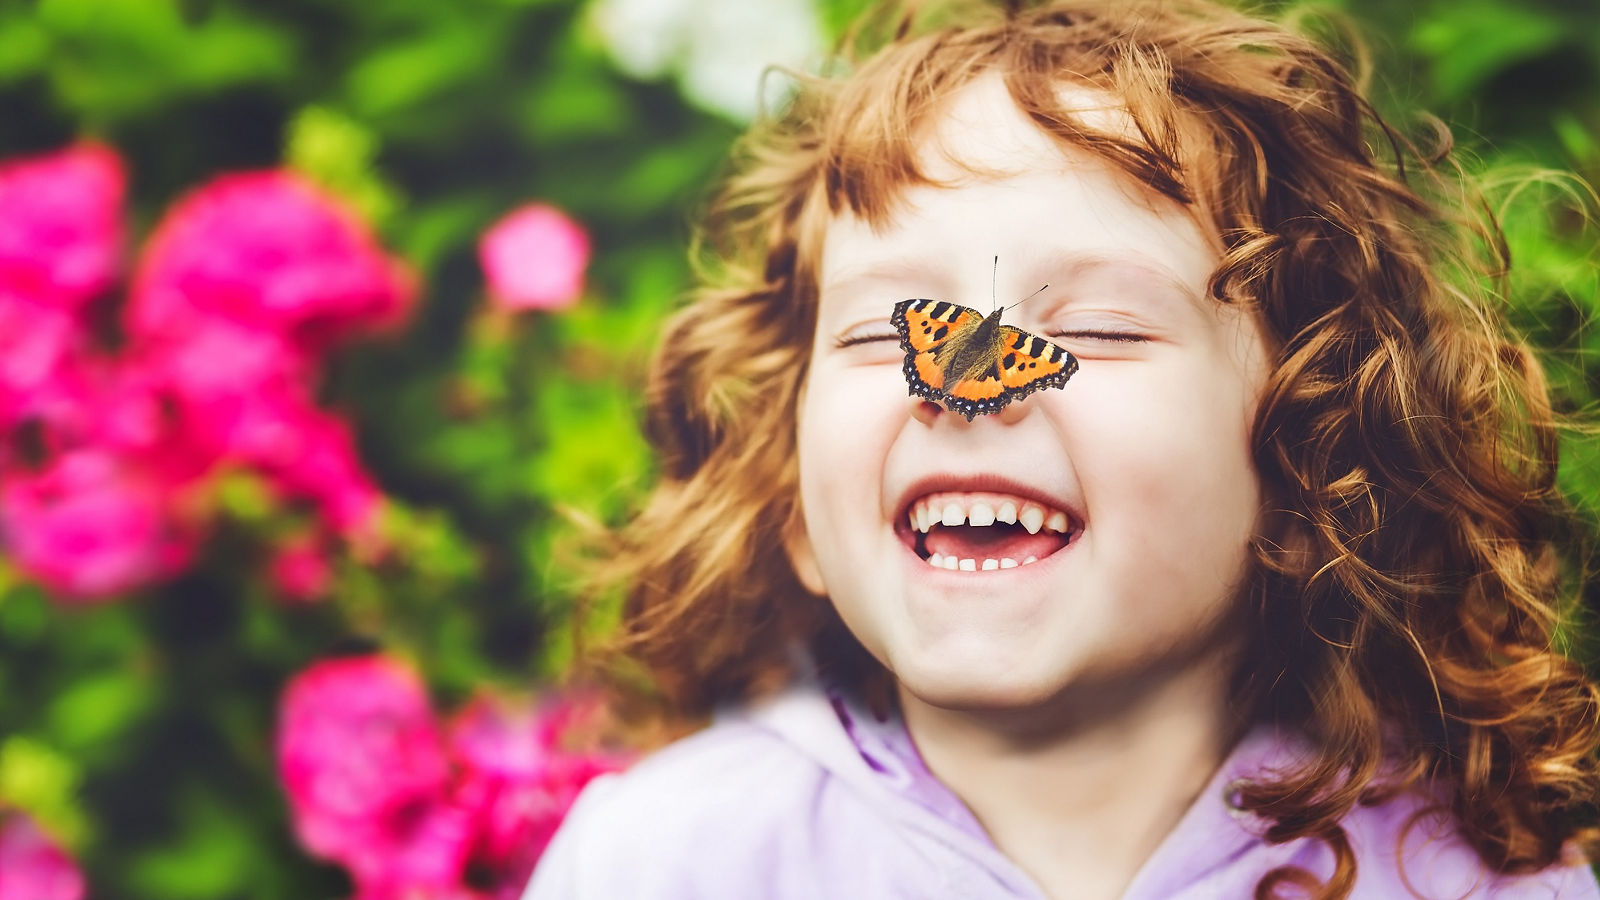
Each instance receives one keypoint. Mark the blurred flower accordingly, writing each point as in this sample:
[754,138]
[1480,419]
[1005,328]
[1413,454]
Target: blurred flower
[534,258]
[60,231]
[310,454]
[59,241]
[92,523]
[718,49]
[32,867]
[374,786]
[362,758]
[245,283]
[213,358]
[518,780]
[36,341]
[269,250]
[300,570]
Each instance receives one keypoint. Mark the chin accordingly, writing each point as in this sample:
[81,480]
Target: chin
[976,688]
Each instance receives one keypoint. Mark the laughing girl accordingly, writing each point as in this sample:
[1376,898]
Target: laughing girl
[1259,602]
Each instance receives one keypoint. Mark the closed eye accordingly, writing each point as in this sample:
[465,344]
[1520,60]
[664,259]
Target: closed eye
[1119,336]
[851,340]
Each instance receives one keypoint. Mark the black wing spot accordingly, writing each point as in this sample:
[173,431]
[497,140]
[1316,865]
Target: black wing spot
[943,330]
[1009,362]
[939,309]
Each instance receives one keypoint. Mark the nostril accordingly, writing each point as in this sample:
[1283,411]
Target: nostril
[926,411]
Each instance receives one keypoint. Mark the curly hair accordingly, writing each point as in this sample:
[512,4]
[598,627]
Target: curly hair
[1405,579]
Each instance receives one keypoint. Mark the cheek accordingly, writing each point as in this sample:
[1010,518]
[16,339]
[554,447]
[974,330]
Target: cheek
[1172,471]
[848,421]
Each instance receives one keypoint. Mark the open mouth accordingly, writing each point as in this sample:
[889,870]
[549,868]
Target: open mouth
[982,531]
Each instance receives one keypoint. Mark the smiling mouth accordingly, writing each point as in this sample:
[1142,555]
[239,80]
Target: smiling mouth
[982,531]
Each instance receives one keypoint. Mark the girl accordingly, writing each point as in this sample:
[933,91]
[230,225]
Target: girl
[1259,602]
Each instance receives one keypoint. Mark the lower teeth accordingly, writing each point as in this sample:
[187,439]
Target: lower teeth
[973,565]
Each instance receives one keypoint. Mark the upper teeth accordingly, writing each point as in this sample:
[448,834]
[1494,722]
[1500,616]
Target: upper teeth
[955,510]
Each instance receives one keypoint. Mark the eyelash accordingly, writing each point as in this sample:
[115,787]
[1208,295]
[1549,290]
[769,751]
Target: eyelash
[852,340]
[1123,337]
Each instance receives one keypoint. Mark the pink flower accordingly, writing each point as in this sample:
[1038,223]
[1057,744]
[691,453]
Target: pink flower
[60,230]
[32,867]
[37,342]
[91,524]
[518,780]
[362,759]
[196,400]
[300,570]
[270,251]
[534,258]
[212,357]
[308,453]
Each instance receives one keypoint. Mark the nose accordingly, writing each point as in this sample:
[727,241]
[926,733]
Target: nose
[929,412]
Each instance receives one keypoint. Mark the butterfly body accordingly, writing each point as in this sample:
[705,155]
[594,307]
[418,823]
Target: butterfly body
[970,362]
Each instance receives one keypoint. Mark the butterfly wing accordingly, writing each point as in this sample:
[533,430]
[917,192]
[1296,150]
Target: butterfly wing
[926,328]
[1031,363]
[1023,363]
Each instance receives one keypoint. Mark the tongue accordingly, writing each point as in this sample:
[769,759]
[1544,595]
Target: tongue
[992,542]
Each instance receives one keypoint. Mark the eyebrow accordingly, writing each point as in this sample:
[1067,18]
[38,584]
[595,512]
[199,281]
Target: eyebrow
[898,269]
[1063,265]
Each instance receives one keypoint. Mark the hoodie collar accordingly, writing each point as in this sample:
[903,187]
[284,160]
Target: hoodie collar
[875,754]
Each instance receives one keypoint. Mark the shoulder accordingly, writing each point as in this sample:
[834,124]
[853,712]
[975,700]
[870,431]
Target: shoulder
[704,807]
[730,768]
[1410,847]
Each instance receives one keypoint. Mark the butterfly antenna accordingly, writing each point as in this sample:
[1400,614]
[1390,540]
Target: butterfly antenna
[994,284]
[1027,298]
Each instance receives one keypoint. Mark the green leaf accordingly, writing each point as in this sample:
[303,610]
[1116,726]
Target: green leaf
[23,47]
[337,152]
[93,711]
[211,857]
[408,73]
[576,106]
[36,778]
[1471,42]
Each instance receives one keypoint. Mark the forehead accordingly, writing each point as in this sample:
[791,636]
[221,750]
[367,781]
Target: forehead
[997,184]
[979,131]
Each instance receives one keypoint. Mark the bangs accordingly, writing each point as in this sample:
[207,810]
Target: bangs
[876,132]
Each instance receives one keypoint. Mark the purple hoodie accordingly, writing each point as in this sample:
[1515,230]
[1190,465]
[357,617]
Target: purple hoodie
[809,796]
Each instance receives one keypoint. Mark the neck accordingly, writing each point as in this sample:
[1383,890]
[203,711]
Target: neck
[1081,806]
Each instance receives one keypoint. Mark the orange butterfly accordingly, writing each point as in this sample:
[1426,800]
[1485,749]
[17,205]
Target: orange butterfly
[970,361]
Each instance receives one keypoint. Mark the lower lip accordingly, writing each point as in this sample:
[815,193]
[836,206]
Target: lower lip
[1039,566]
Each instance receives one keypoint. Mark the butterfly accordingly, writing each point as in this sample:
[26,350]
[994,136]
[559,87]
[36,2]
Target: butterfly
[971,362]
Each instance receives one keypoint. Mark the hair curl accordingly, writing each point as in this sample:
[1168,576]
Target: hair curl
[1405,576]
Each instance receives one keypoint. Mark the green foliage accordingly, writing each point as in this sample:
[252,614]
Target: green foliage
[140,732]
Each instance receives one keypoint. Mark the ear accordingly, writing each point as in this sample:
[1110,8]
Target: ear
[797,546]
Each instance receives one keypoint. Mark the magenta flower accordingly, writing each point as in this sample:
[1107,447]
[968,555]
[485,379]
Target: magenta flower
[300,570]
[242,288]
[361,757]
[534,258]
[32,867]
[60,225]
[309,454]
[37,342]
[271,251]
[59,242]
[518,780]
[91,523]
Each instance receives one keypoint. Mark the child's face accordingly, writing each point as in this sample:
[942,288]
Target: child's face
[1146,449]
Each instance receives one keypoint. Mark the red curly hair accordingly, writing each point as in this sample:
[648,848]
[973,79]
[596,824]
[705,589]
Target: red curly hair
[1406,578]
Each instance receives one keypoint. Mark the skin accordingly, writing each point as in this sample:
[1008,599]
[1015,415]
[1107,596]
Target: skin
[1077,704]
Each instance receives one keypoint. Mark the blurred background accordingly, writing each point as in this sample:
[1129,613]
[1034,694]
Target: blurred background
[321,325]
